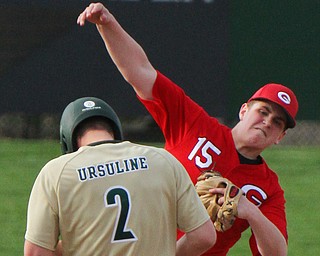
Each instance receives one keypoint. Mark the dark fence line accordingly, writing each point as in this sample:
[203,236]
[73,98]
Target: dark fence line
[46,126]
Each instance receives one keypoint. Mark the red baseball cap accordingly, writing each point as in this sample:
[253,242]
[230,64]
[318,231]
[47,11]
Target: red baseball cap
[282,96]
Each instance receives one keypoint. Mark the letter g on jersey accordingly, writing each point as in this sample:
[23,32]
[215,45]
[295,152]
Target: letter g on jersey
[254,194]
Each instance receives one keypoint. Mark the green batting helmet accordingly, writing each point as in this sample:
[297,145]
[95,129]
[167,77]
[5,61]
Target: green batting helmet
[79,110]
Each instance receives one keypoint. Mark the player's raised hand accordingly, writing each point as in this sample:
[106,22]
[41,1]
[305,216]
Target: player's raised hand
[95,13]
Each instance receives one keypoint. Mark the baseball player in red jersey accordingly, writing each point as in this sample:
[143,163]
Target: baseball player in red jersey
[201,143]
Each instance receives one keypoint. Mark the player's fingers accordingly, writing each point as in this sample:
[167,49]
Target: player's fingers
[86,14]
[101,13]
[217,191]
[83,16]
[221,200]
[90,8]
[80,19]
[94,8]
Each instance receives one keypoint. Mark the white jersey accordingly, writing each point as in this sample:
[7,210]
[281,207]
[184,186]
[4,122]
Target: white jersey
[113,199]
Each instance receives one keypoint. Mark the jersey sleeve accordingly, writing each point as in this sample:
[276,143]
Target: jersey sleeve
[171,107]
[42,214]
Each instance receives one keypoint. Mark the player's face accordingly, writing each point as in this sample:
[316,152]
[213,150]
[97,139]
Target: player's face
[263,123]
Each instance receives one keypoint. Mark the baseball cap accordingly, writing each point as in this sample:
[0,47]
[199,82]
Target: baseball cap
[282,96]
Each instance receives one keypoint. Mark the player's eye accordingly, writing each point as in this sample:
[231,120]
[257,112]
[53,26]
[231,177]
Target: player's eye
[263,112]
[279,123]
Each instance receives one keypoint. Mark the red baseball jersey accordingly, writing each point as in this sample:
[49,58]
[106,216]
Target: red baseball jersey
[200,143]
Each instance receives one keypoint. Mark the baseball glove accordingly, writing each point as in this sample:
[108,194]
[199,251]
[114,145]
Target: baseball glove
[223,216]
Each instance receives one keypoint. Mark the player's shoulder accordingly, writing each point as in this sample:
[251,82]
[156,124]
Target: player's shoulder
[147,148]
[59,162]
[160,152]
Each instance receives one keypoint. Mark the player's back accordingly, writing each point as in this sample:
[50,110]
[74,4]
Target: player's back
[118,199]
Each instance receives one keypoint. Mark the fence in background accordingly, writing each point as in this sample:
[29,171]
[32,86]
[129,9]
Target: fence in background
[46,126]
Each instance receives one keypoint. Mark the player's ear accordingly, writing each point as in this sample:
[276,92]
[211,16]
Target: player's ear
[280,137]
[243,110]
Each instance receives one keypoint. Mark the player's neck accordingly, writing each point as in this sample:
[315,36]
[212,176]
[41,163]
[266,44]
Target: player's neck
[92,136]
[244,147]
[249,153]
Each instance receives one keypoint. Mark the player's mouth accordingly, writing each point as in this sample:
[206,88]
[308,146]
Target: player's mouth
[264,133]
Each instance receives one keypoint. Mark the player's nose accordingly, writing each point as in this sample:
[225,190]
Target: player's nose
[267,121]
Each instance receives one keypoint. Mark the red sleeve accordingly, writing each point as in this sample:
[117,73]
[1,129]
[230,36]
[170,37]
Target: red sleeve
[171,107]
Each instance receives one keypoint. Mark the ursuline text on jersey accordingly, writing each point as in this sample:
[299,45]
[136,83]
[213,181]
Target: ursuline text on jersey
[112,168]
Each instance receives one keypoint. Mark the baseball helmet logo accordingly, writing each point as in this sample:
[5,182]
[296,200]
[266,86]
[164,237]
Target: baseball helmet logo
[89,104]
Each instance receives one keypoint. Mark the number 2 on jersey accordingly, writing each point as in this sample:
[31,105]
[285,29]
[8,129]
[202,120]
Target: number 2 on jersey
[120,197]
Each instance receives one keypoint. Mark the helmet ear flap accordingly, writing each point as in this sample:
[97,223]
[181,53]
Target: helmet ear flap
[63,143]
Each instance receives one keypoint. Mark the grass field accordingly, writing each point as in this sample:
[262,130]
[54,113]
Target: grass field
[298,169]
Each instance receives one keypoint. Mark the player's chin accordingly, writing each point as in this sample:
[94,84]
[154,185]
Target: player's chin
[256,139]
[258,143]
